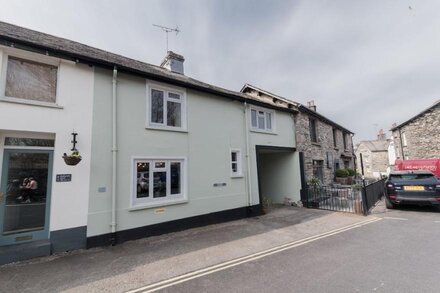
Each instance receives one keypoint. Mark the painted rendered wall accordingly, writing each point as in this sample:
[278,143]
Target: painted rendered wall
[279,176]
[283,136]
[69,204]
[215,125]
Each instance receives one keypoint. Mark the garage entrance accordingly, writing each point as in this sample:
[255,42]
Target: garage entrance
[278,175]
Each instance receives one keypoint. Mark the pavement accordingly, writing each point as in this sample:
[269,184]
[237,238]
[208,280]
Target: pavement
[135,264]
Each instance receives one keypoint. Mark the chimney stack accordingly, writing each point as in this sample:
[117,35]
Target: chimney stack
[311,105]
[381,135]
[173,62]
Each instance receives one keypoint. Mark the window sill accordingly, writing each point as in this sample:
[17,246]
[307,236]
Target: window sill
[237,176]
[153,127]
[336,149]
[156,204]
[316,144]
[30,102]
[263,131]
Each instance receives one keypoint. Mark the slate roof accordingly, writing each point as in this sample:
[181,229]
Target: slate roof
[417,116]
[300,107]
[27,39]
[376,145]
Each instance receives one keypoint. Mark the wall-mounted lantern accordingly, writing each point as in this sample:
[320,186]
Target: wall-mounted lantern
[74,158]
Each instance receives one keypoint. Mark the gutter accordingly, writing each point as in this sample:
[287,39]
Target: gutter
[114,157]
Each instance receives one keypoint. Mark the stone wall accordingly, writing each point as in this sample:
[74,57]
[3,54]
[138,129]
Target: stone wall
[422,137]
[324,150]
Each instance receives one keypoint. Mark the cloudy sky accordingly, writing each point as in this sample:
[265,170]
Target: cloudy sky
[366,64]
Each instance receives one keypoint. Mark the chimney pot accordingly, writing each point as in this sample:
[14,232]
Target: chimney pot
[311,105]
[173,62]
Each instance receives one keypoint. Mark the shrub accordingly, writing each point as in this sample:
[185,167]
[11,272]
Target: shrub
[341,173]
[351,172]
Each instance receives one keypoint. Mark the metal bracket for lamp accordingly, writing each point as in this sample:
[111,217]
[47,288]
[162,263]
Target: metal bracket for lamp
[74,158]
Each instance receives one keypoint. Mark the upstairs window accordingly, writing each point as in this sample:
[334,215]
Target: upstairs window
[262,120]
[335,143]
[31,80]
[344,138]
[166,108]
[312,130]
[236,169]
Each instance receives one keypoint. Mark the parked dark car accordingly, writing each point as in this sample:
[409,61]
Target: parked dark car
[412,187]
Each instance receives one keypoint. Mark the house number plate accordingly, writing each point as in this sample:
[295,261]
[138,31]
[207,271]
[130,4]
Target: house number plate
[64,177]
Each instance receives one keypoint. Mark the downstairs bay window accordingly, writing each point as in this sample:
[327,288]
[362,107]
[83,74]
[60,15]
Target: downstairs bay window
[158,182]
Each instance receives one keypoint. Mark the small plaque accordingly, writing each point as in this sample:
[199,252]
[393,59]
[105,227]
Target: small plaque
[219,184]
[64,177]
[159,211]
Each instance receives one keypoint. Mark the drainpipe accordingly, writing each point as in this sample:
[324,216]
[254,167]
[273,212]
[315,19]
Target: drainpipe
[249,183]
[114,153]
[401,144]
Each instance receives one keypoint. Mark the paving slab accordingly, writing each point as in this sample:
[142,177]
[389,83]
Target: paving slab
[137,263]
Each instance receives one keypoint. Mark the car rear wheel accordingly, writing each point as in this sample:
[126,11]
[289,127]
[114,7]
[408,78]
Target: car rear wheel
[388,204]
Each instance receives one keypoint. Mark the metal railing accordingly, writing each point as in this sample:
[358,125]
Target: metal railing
[371,194]
[358,199]
[335,199]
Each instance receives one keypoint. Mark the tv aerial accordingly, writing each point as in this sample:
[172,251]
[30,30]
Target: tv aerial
[168,30]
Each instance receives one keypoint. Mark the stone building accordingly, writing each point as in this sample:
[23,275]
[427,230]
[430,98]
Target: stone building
[375,156]
[419,136]
[326,145]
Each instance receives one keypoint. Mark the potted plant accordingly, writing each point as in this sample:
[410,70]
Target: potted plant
[350,177]
[73,159]
[341,176]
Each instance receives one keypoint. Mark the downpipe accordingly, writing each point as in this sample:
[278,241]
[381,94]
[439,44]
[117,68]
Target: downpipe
[114,157]
[248,163]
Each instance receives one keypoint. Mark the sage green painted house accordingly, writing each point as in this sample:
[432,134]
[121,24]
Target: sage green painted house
[160,151]
[184,153]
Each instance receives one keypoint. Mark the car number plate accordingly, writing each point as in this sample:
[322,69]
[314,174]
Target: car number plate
[414,188]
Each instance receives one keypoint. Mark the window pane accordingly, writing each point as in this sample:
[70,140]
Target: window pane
[143,180]
[174,114]
[20,141]
[156,106]
[25,204]
[31,80]
[234,167]
[159,165]
[233,156]
[175,178]
[261,122]
[268,120]
[254,118]
[160,184]
[174,96]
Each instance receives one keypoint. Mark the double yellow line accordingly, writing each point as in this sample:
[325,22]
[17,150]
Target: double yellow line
[241,260]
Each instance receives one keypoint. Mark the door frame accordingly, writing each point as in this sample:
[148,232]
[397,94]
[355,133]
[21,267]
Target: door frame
[23,237]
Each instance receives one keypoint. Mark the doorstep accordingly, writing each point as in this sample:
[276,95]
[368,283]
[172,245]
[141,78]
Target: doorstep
[24,251]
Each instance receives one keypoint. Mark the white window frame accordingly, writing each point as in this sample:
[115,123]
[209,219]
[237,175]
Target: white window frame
[239,163]
[32,57]
[166,89]
[169,199]
[265,111]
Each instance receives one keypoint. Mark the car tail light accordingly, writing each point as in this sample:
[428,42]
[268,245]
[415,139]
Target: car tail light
[438,198]
[394,196]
